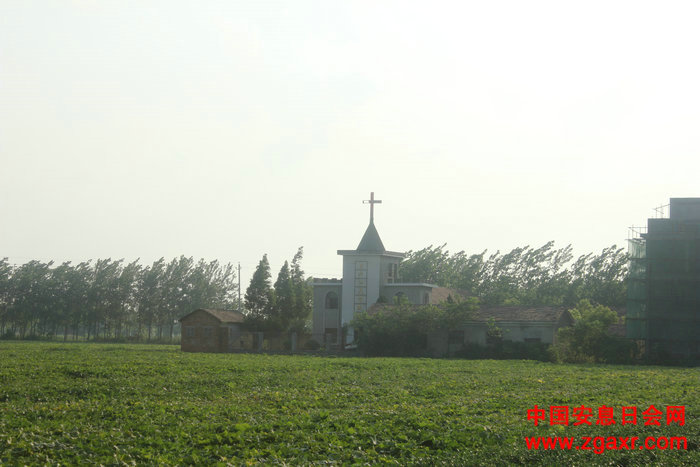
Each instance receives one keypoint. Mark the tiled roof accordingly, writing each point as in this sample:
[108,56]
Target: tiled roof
[519,313]
[499,314]
[224,316]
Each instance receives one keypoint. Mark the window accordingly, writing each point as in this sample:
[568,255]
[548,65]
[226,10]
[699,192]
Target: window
[189,331]
[392,273]
[331,301]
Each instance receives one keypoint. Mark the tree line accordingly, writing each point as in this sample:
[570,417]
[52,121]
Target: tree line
[114,299]
[524,275]
[109,299]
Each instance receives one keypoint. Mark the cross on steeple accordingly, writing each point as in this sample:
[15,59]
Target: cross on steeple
[371,201]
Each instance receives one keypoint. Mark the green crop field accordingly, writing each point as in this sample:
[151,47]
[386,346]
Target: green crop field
[137,404]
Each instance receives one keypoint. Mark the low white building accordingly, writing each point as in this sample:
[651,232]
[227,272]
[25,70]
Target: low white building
[515,323]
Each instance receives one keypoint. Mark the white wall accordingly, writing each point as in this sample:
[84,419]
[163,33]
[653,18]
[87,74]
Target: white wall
[372,285]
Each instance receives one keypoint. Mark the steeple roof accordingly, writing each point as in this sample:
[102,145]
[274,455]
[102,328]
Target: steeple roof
[371,243]
[370,240]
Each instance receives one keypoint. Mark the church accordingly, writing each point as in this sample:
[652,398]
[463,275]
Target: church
[370,274]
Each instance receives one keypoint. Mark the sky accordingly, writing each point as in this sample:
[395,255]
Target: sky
[231,129]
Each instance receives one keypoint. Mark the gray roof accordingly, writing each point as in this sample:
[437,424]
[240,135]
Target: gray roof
[519,313]
[224,316]
[370,240]
[540,314]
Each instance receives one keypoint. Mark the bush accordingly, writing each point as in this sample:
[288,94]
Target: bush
[312,344]
[8,335]
[588,340]
[401,330]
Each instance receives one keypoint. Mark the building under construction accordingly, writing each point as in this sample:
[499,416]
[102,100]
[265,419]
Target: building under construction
[663,306]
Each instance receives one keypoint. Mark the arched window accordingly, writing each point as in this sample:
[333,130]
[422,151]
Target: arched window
[331,301]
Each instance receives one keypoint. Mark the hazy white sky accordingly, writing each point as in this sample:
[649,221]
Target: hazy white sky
[229,129]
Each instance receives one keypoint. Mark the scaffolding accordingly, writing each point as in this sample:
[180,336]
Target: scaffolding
[663,293]
[636,317]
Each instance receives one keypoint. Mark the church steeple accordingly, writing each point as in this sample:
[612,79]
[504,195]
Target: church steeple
[370,240]
[366,272]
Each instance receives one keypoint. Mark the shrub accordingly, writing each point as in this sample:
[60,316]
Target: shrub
[401,330]
[588,340]
[312,344]
[8,335]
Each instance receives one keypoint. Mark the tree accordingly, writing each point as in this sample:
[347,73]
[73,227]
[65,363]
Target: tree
[589,339]
[435,265]
[600,278]
[259,297]
[30,302]
[524,275]
[211,285]
[107,298]
[176,293]
[101,298]
[77,292]
[124,298]
[150,294]
[284,297]
[302,293]
[5,275]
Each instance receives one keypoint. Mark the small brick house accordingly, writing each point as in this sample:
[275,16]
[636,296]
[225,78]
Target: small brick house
[206,330]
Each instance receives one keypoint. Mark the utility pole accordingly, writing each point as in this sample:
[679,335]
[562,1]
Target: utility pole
[240,309]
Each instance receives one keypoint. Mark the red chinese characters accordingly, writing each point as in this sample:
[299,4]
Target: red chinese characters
[582,415]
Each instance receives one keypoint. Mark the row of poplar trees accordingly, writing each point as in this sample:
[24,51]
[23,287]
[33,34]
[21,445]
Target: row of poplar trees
[284,307]
[525,275]
[109,299]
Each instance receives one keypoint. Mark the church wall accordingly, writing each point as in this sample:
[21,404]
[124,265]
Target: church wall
[388,273]
[374,280]
[361,283]
[325,318]
[348,298]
